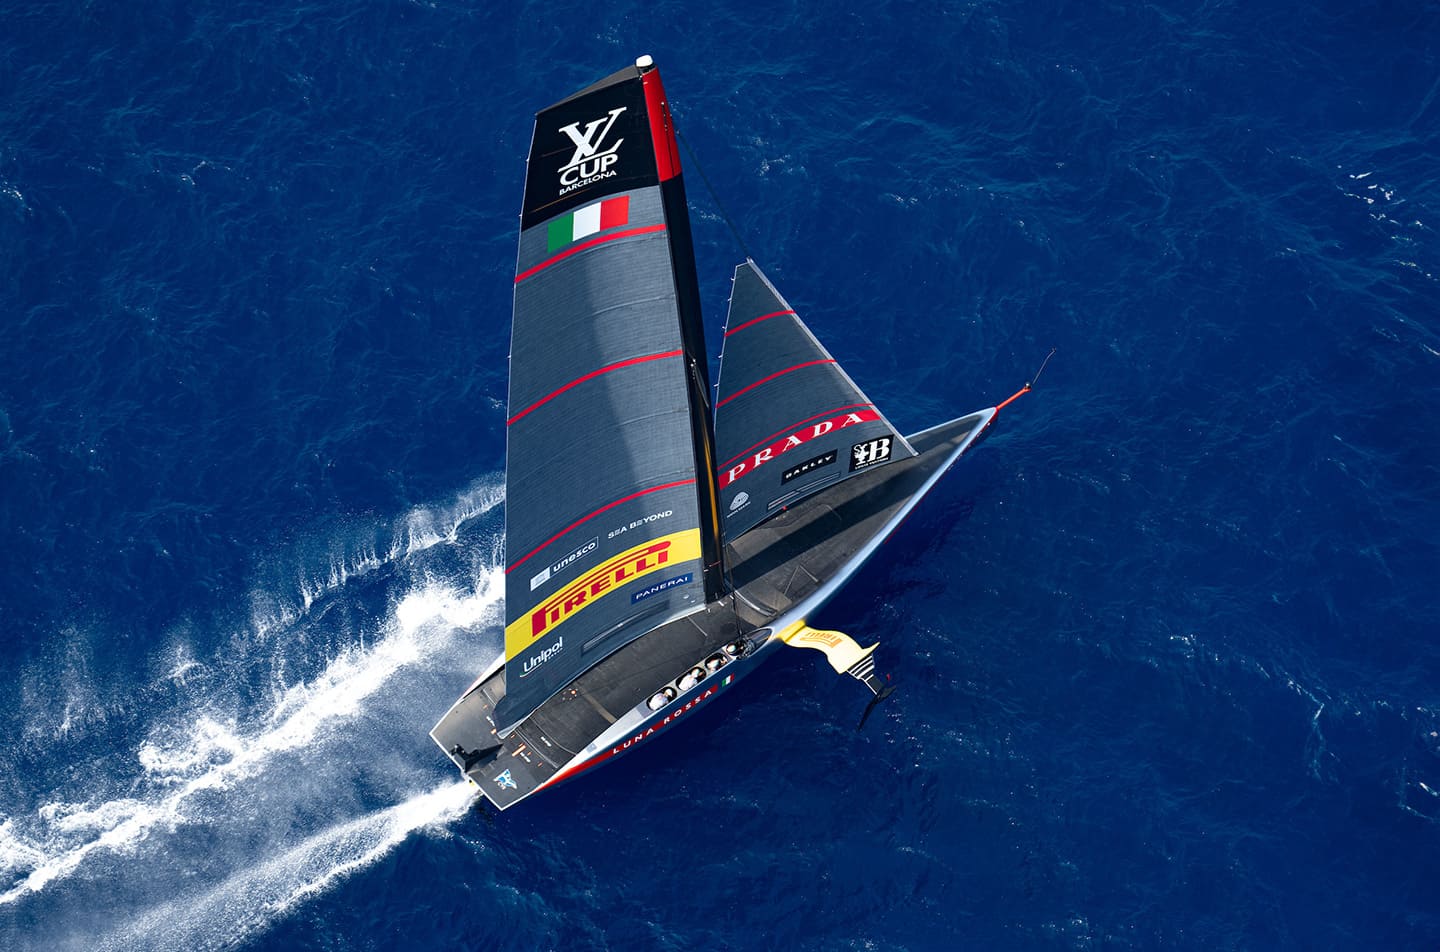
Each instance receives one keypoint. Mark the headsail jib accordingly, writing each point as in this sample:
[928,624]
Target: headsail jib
[789,421]
[610,525]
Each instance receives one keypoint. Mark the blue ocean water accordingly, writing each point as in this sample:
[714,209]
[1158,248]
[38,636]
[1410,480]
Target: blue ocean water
[1168,643]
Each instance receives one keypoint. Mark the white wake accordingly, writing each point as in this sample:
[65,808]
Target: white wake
[253,898]
[244,806]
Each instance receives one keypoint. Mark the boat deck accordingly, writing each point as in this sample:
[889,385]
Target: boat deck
[772,568]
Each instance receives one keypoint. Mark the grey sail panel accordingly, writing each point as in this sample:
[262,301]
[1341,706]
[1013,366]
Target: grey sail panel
[788,420]
[603,511]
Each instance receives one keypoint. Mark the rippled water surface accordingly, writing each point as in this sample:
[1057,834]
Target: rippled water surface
[1167,642]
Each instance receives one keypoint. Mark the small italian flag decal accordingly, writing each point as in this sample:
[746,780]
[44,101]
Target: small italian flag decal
[728,679]
[590,220]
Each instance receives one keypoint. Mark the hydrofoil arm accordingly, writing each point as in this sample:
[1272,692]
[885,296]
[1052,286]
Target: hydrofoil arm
[845,656]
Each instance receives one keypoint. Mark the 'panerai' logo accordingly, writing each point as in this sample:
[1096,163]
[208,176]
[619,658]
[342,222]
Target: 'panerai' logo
[633,563]
[659,587]
[588,163]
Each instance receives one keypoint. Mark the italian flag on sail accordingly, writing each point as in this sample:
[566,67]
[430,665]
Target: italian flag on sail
[584,222]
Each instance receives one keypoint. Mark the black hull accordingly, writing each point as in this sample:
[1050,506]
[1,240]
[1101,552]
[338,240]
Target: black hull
[779,571]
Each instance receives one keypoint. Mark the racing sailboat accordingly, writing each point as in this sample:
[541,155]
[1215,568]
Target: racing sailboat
[657,547]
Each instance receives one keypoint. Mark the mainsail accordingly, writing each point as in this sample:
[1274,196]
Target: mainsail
[789,422]
[611,522]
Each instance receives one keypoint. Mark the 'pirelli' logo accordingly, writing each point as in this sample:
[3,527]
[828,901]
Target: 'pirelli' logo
[635,562]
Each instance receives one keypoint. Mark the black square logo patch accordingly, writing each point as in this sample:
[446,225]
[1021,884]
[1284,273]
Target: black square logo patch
[869,453]
[824,459]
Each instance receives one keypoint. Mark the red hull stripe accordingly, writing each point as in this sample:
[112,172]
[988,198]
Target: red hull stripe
[579,769]
[595,761]
[586,244]
[662,130]
[762,317]
[778,373]
[583,519]
[791,428]
[591,376]
[622,746]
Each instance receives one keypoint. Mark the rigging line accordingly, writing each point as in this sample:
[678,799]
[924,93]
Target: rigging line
[1026,389]
[1042,367]
[714,195]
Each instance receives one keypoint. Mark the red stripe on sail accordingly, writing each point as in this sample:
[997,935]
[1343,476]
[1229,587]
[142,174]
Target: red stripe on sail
[583,519]
[762,317]
[590,376]
[586,244]
[797,438]
[778,373]
[791,428]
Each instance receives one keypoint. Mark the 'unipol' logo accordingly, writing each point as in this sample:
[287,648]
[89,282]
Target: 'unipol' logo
[532,663]
[589,162]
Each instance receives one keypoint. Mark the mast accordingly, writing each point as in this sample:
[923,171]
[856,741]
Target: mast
[692,328]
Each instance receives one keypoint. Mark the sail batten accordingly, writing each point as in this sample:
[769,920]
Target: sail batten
[629,233]
[779,373]
[586,518]
[757,320]
[591,376]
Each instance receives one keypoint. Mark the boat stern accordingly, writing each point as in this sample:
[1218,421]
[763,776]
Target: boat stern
[506,770]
